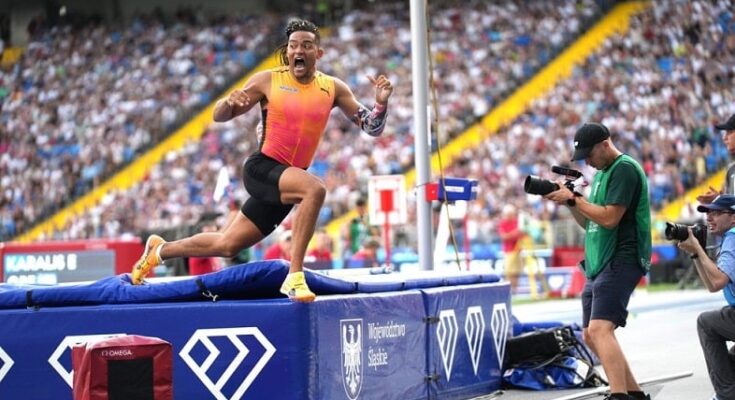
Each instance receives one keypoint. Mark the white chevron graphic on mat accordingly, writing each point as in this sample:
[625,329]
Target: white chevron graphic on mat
[474,329]
[446,334]
[204,336]
[7,363]
[499,324]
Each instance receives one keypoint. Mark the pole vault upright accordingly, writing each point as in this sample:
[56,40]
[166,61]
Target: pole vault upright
[419,72]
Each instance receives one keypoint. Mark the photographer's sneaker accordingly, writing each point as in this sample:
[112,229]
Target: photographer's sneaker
[617,396]
[294,286]
[639,395]
[148,260]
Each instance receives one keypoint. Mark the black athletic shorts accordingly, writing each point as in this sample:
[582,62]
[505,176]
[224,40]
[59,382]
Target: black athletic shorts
[606,296]
[260,175]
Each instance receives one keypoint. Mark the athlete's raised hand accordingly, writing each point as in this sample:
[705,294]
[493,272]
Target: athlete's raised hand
[383,88]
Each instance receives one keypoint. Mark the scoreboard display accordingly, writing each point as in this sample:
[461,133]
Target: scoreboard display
[53,262]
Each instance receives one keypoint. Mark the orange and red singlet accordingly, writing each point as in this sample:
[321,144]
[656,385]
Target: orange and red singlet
[295,117]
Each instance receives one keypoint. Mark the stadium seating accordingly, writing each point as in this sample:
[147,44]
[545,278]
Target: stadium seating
[498,38]
[85,100]
[658,87]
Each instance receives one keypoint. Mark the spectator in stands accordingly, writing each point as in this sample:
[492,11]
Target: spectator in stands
[510,238]
[616,219]
[322,250]
[367,255]
[204,265]
[717,327]
[296,101]
[357,229]
[728,187]
[281,249]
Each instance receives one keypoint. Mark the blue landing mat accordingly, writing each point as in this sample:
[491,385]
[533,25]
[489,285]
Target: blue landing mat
[255,280]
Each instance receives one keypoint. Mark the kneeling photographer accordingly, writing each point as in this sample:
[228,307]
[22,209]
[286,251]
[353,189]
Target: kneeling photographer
[717,327]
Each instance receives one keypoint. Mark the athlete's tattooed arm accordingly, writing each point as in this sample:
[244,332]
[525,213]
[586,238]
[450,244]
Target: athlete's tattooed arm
[372,121]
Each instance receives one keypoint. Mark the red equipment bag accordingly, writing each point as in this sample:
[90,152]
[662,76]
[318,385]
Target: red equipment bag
[125,367]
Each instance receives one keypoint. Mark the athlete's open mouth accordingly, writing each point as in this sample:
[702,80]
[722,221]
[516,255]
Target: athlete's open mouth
[299,62]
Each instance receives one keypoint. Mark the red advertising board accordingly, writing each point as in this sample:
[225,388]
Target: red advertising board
[55,262]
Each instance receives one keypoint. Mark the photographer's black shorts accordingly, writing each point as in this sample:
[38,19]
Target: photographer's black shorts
[606,296]
[260,175]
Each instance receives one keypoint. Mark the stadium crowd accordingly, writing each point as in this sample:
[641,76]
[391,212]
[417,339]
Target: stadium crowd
[87,98]
[509,44]
[661,87]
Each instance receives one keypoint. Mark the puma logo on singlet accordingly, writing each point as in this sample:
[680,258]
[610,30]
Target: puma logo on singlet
[325,90]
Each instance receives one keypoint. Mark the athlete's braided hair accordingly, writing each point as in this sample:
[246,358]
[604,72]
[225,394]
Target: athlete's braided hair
[296,25]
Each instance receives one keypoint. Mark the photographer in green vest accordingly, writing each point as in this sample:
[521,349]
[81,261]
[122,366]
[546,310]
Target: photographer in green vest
[617,223]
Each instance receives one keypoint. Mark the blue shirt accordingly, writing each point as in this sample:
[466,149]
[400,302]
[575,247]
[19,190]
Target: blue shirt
[726,264]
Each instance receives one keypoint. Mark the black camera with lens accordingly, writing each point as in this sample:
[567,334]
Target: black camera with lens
[540,186]
[680,233]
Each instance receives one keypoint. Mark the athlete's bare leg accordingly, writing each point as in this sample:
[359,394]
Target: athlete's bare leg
[239,234]
[300,187]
